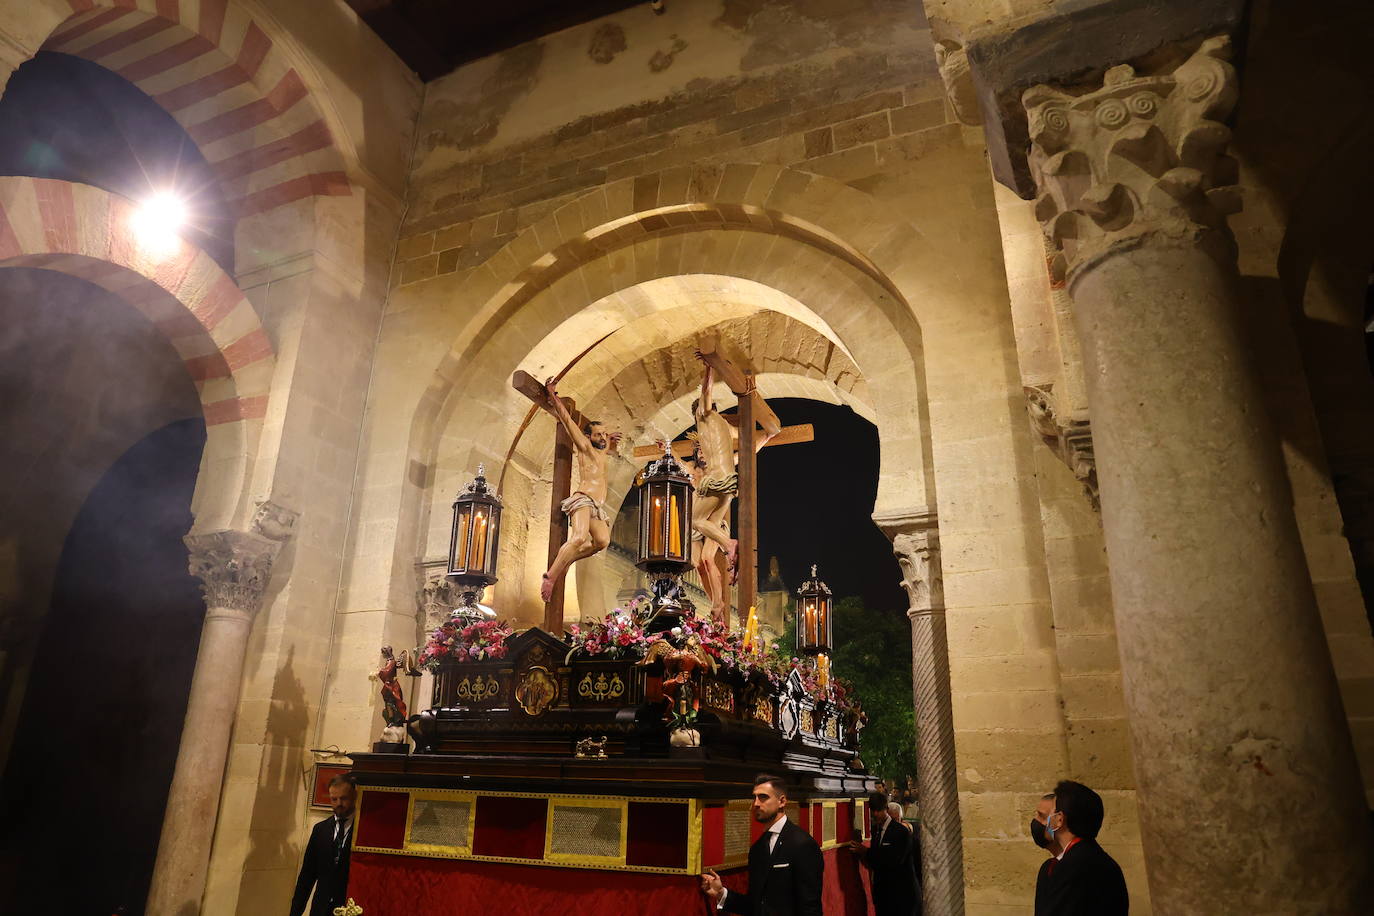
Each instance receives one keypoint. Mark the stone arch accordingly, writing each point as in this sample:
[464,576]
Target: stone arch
[84,231]
[863,268]
[228,81]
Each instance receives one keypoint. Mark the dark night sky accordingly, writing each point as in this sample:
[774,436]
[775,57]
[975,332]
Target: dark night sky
[816,506]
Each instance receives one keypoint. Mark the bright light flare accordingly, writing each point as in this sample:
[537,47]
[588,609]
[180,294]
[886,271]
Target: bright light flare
[157,221]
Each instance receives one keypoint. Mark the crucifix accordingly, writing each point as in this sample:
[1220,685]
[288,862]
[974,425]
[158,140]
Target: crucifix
[728,447]
[588,521]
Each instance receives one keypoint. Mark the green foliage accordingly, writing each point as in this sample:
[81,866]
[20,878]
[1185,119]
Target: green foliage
[873,655]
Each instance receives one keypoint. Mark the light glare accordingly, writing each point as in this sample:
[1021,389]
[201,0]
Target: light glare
[157,221]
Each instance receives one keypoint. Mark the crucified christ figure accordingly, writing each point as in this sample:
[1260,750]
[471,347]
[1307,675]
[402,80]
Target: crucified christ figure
[717,482]
[589,527]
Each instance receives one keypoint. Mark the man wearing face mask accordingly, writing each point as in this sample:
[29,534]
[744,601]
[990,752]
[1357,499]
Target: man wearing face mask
[1081,879]
[1041,838]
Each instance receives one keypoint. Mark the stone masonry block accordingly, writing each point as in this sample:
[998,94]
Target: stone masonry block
[415,246]
[1008,761]
[861,130]
[919,116]
[420,269]
[1100,753]
[846,165]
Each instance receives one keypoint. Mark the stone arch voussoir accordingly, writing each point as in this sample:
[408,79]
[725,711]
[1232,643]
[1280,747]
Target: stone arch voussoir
[221,74]
[85,232]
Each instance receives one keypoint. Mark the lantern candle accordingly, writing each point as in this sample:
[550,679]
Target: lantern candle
[810,624]
[479,540]
[675,529]
[656,527]
[823,670]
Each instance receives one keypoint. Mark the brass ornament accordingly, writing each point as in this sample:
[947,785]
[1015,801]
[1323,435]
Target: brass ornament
[600,689]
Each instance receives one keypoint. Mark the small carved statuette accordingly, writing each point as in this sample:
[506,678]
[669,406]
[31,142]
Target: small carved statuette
[594,748]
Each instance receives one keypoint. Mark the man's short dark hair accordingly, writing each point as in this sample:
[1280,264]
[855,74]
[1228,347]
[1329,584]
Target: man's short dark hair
[777,782]
[587,427]
[877,801]
[344,779]
[1081,807]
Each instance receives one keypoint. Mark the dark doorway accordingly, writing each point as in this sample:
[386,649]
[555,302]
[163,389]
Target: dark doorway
[87,779]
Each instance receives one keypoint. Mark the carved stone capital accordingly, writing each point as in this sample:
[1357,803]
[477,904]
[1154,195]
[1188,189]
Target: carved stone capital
[234,568]
[952,60]
[1070,439]
[916,544]
[438,596]
[1140,159]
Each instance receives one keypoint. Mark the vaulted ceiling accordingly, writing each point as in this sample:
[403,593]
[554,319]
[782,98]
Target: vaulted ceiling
[436,36]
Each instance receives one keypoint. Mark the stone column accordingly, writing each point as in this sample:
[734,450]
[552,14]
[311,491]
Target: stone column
[916,543]
[1248,787]
[234,568]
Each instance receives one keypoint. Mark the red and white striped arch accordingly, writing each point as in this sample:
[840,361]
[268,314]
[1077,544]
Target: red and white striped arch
[225,81]
[84,231]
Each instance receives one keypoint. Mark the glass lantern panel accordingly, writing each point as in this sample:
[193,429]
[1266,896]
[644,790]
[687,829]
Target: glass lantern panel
[493,540]
[462,526]
[810,623]
[479,538]
[657,498]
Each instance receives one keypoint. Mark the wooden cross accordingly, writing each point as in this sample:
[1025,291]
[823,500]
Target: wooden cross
[751,403]
[531,388]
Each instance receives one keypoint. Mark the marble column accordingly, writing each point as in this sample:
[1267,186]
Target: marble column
[916,544]
[234,568]
[1247,782]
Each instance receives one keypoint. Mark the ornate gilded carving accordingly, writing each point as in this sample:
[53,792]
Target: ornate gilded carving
[718,695]
[1140,157]
[537,690]
[763,710]
[1071,440]
[234,568]
[808,721]
[599,688]
[478,690]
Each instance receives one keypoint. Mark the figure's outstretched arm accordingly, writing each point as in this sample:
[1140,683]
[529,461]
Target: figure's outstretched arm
[764,416]
[560,411]
[708,381]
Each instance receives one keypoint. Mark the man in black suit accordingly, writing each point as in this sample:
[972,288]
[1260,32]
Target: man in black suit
[325,867]
[785,865]
[889,856]
[1082,880]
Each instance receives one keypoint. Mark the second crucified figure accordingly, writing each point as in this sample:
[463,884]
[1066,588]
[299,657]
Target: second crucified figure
[589,527]
[717,482]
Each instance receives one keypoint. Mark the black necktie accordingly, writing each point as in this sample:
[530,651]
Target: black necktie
[340,838]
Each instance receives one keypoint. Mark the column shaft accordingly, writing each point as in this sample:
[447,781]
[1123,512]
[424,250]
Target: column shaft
[1236,722]
[942,857]
[188,827]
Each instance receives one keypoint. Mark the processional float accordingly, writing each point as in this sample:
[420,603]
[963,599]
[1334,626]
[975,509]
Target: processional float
[616,755]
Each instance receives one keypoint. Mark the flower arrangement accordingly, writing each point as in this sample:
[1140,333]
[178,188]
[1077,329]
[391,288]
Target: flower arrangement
[619,635]
[478,642]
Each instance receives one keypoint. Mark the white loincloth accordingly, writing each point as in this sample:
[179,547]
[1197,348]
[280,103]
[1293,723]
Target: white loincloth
[580,500]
